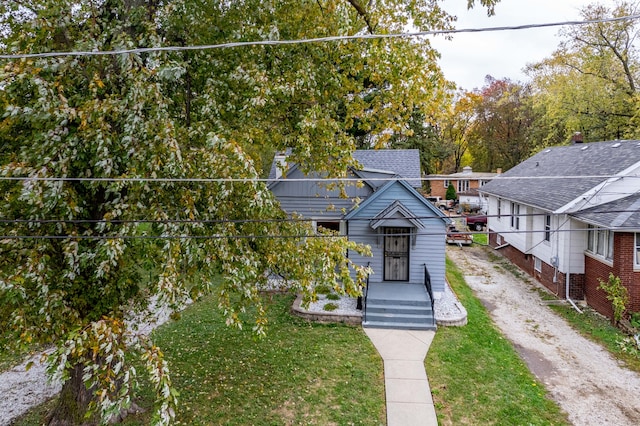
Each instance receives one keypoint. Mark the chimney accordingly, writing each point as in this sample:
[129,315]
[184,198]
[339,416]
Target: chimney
[281,164]
[499,170]
[576,138]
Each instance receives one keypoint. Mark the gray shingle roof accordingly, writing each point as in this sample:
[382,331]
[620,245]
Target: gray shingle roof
[402,162]
[555,176]
[619,214]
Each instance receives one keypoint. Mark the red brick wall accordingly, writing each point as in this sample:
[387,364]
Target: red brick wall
[546,275]
[623,249]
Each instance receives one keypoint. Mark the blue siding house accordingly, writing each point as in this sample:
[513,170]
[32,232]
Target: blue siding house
[406,232]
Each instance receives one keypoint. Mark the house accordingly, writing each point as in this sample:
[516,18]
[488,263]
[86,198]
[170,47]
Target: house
[405,231]
[569,216]
[466,184]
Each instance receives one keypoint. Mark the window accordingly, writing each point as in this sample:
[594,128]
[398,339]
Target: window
[600,242]
[328,226]
[499,208]
[547,227]
[637,256]
[537,264]
[590,245]
[609,254]
[463,186]
[515,216]
[600,239]
[446,183]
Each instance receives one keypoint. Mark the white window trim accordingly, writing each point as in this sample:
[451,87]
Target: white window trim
[603,252]
[537,264]
[636,252]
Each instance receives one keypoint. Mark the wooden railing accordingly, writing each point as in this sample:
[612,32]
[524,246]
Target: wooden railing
[427,284]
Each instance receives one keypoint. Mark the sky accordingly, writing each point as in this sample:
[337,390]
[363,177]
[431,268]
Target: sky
[468,58]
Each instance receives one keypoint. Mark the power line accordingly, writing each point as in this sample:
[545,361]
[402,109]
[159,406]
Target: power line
[273,180]
[313,40]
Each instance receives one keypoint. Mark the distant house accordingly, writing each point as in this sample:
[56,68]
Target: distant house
[404,230]
[466,184]
[569,216]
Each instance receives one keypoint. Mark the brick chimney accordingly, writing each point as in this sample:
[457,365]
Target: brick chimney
[576,138]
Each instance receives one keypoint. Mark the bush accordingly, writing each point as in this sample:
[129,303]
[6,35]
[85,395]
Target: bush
[323,289]
[617,294]
[333,296]
[330,307]
[451,193]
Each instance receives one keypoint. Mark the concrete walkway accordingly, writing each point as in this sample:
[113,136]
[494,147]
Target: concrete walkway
[409,401]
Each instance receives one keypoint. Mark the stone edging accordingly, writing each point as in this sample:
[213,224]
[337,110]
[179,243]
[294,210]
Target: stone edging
[324,317]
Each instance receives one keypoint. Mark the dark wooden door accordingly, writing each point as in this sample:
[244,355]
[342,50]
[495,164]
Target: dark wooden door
[396,254]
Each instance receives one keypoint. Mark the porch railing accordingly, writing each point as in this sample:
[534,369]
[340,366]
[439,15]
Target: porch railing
[366,293]
[427,284]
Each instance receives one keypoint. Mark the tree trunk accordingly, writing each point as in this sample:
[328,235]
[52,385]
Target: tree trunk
[72,403]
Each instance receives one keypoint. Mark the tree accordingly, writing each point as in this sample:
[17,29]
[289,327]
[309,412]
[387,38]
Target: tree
[104,207]
[503,119]
[590,83]
[451,193]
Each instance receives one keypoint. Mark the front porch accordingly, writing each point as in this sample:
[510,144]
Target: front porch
[399,306]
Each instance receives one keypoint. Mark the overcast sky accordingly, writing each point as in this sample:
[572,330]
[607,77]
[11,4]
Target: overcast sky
[468,58]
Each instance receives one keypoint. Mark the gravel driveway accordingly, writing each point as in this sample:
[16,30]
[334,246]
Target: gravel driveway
[588,383]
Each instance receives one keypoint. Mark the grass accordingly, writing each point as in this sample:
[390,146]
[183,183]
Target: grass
[477,377]
[301,373]
[481,238]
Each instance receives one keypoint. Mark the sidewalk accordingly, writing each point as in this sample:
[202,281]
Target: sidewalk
[408,395]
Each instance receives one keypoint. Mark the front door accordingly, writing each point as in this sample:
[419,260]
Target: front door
[396,254]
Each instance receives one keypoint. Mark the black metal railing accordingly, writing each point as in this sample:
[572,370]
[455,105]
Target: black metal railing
[366,293]
[427,284]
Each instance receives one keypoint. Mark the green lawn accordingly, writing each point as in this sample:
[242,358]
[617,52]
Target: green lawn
[301,373]
[477,377]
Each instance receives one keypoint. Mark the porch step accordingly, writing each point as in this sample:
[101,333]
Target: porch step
[409,311]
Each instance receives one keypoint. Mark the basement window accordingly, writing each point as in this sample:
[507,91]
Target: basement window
[537,264]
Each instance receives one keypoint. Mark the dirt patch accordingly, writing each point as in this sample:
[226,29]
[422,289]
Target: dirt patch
[583,378]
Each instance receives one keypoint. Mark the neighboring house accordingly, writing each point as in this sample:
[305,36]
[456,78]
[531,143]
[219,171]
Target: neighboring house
[569,216]
[466,184]
[405,231]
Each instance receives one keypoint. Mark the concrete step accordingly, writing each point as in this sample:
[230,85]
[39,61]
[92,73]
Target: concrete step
[399,325]
[378,307]
[396,317]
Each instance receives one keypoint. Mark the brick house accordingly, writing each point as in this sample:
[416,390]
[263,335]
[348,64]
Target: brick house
[569,216]
[466,184]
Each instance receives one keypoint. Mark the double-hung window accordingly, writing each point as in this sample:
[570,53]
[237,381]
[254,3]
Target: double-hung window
[547,227]
[600,242]
[637,250]
[515,216]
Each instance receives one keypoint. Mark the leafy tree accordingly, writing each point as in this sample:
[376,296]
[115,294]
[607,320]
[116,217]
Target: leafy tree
[451,193]
[104,211]
[590,83]
[501,132]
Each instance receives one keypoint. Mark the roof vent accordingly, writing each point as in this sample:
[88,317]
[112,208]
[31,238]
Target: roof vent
[547,150]
[615,145]
[584,148]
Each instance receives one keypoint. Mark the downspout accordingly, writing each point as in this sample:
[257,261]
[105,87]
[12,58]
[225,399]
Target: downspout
[568,274]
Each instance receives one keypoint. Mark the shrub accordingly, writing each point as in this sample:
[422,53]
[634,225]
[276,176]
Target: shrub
[330,307]
[323,289]
[617,294]
[333,296]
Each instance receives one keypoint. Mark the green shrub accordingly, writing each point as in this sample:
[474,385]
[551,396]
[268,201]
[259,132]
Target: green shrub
[333,296]
[330,307]
[617,294]
[323,289]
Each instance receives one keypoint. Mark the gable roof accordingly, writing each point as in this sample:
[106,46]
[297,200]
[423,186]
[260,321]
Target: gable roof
[402,162]
[556,176]
[394,211]
[379,193]
[620,214]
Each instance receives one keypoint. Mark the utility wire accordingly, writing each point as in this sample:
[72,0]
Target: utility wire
[305,179]
[314,40]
